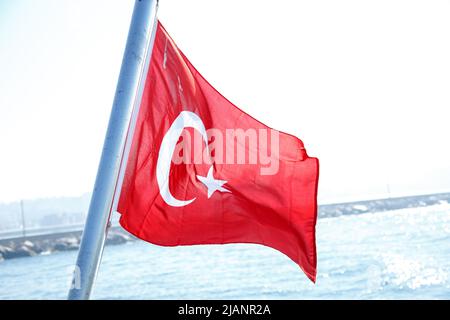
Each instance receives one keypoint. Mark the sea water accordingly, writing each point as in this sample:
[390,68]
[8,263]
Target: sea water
[402,254]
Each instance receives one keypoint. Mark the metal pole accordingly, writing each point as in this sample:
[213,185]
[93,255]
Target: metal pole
[127,97]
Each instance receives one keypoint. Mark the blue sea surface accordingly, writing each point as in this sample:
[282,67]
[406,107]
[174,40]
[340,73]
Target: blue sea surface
[402,254]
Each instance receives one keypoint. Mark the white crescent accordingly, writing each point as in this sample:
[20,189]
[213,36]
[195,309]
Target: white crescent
[185,119]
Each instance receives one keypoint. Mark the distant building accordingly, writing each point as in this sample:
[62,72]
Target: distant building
[64,218]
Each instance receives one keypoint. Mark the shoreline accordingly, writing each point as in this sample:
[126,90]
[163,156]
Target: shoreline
[49,243]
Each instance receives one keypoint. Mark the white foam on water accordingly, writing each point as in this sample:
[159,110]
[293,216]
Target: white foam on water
[402,271]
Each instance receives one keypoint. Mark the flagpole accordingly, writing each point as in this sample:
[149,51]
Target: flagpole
[126,101]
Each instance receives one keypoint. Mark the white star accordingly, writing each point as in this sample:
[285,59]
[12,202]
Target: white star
[212,184]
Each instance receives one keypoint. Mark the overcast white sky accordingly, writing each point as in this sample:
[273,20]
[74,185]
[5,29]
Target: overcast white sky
[365,84]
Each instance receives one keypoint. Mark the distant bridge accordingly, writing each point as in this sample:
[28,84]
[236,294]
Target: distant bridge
[47,232]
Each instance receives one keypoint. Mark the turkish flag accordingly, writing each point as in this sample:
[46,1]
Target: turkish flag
[202,171]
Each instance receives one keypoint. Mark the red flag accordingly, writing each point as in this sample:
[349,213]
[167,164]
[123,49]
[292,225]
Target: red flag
[202,171]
